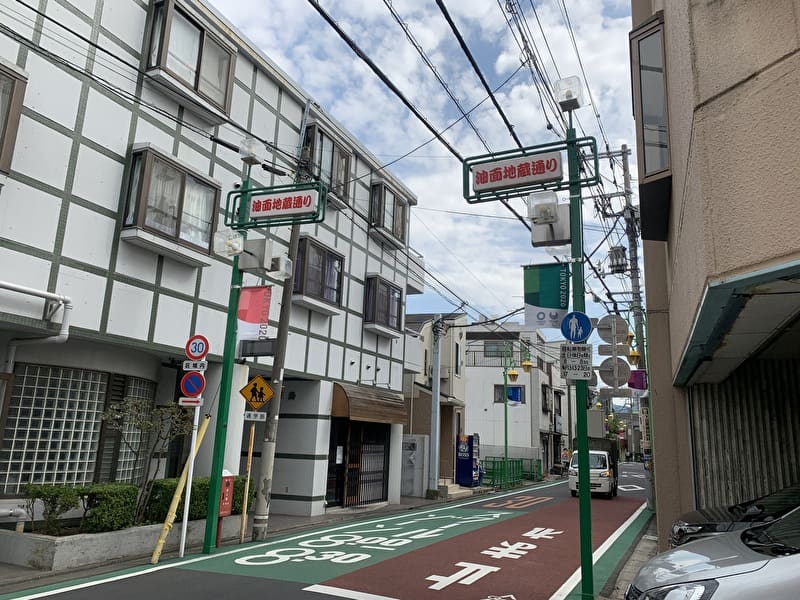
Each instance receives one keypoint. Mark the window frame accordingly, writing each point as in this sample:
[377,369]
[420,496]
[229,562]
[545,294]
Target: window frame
[651,26]
[393,234]
[339,195]
[302,273]
[371,289]
[162,34]
[9,123]
[138,214]
[517,388]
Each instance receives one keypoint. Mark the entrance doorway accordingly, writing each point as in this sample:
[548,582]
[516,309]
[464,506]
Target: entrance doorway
[358,462]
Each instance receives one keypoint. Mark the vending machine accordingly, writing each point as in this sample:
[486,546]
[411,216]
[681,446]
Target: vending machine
[468,456]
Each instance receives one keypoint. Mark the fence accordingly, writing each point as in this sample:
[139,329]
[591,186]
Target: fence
[499,472]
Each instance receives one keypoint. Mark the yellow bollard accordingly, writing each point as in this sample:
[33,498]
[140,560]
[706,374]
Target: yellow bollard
[173,507]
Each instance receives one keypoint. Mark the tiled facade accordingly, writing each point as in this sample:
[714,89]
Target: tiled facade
[113,184]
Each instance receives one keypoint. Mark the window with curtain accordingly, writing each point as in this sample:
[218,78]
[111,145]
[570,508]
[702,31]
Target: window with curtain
[180,45]
[318,272]
[164,197]
[383,303]
[330,162]
[388,213]
[12,90]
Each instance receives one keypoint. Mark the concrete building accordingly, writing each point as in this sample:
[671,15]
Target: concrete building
[117,121]
[535,423]
[452,387]
[717,115]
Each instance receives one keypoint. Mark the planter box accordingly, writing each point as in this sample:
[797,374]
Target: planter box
[50,553]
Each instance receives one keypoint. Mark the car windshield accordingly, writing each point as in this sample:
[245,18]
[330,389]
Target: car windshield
[779,538]
[596,461]
[770,506]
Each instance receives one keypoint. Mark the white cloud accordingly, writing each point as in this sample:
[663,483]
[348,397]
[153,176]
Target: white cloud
[477,258]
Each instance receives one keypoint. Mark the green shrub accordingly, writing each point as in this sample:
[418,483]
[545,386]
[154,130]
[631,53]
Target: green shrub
[56,500]
[164,490]
[109,507]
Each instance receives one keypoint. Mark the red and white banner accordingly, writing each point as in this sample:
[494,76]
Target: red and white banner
[253,313]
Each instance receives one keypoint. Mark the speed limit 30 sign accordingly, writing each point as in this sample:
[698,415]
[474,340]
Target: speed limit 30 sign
[197,347]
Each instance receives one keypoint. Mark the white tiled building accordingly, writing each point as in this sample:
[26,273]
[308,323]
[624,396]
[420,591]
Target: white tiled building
[113,184]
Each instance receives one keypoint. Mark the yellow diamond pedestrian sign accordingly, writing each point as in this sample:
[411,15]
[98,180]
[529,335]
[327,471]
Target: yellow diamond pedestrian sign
[257,392]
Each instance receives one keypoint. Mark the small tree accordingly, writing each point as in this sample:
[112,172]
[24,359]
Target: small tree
[158,426]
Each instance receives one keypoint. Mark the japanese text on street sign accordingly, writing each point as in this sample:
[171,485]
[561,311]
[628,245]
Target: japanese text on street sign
[516,171]
[576,361]
[279,205]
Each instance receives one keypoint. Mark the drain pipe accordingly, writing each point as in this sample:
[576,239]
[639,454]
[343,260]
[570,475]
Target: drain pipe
[52,304]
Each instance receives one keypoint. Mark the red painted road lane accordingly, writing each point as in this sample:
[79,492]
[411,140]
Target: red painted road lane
[481,564]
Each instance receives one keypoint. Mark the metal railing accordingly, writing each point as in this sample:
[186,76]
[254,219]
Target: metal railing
[511,472]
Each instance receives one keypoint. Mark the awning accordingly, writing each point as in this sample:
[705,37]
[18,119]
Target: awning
[361,403]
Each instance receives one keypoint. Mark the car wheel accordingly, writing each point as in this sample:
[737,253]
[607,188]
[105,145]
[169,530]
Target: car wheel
[573,492]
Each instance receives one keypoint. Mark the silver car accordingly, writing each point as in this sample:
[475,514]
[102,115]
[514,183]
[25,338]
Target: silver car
[761,562]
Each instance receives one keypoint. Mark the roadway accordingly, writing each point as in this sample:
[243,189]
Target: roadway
[515,545]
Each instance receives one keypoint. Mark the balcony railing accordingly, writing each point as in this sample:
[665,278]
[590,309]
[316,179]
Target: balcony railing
[479,358]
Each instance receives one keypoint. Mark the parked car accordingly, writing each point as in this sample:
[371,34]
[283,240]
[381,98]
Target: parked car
[706,522]
[761,562]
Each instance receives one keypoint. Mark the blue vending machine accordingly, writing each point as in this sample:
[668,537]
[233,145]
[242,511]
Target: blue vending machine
[468,460]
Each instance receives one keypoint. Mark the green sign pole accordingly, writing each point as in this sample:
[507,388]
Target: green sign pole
[228,356]
[581,386]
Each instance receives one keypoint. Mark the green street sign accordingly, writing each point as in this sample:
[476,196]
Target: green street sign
[514,173]
[276,205]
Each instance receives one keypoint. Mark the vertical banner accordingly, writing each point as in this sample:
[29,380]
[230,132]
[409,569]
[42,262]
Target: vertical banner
[546,294]
[253,313]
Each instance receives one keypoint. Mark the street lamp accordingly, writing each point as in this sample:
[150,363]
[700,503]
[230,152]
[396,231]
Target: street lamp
[509,373]
[569,94]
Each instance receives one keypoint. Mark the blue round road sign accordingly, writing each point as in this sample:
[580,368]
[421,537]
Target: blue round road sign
[192,384]
[576,327]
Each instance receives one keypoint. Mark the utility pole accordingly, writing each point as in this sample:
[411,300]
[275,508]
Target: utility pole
[264,483]
[436,360]
[267,466]
[630,214]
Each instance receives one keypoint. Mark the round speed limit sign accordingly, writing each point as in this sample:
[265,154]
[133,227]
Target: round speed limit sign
[197,347]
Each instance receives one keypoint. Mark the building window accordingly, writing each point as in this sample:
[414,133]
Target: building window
[12,90]
[516,394]
[458,359]
[493,349]
[330,164]
[388,214]
[384,304]
[319,272]
[650,96]
[557,397]
[167,199]
[182,47]
[547,398]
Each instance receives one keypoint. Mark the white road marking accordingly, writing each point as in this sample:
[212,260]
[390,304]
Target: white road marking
[563,592]
[343,593]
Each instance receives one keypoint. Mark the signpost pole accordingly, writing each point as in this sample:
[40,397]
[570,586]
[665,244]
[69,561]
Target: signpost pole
[581,386]
[188,497]
[228,356]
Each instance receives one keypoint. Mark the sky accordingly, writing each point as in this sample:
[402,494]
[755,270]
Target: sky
[473,252]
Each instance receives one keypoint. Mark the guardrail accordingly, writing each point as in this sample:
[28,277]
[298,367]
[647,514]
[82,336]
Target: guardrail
[504,473]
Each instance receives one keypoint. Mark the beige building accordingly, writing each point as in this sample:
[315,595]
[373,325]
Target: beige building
[717,110]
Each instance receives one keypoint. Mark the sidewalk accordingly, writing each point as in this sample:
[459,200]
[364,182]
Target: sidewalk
[14,578]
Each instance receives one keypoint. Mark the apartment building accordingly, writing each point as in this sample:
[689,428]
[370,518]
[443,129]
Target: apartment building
[535,420]
[119,123]
[717,112]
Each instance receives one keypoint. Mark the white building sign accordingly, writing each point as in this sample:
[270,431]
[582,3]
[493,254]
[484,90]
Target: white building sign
[576,361]
[518,171]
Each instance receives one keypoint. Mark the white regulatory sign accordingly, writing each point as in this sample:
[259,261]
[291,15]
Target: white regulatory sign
[576,361]
[195,365]
[197,401]
[252,415]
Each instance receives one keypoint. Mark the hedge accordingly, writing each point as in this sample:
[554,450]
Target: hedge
[109,507]
[164,489]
